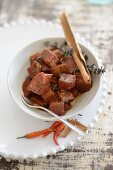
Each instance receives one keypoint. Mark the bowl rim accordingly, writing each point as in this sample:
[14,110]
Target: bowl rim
[66,116]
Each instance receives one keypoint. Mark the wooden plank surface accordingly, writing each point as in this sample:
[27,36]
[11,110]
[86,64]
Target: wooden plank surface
[95,23]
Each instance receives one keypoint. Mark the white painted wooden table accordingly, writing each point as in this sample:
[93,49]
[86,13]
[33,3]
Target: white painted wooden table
[95,23]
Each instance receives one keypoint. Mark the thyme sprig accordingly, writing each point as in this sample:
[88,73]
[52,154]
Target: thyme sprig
[55,45]
[64,48]
[67,51]
[95,70]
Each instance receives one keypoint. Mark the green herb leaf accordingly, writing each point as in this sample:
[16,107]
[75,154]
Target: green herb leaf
[95,70]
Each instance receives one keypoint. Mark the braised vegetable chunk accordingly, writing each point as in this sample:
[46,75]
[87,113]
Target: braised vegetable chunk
[36,99]
[70,63]
[57,107]
[35,68]
[67,106]
[57,53]
[65,96]
[49,58]
[25,85]
[44,67]
[75,92]
[81,85]
[40,84]
[54,80]
[67,81]
[34,57]
[61,68]
[49,96]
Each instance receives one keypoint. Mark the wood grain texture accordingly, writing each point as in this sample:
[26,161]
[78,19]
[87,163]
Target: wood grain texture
[95,23]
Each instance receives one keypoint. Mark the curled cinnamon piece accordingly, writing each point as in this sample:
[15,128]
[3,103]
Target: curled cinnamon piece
[78,56]
[67,130]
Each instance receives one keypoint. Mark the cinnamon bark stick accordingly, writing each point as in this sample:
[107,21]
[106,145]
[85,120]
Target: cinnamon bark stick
[67,130]
[78,56]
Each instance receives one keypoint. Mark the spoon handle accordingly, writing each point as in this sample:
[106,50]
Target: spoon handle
[74,128]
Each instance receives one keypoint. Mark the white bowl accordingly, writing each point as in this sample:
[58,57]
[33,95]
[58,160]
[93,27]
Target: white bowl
[18,71]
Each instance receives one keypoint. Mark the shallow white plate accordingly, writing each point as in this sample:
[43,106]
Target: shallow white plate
[13,121]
